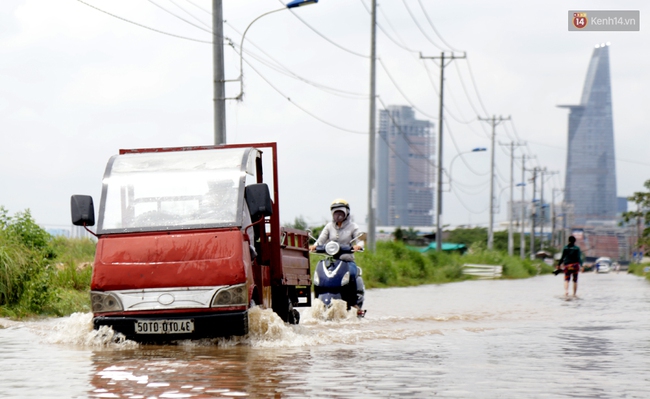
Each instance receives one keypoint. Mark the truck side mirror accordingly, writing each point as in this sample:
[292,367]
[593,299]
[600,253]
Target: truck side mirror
[258,200]
[82,210]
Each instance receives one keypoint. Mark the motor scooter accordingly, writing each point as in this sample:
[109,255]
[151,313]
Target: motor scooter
[334,277]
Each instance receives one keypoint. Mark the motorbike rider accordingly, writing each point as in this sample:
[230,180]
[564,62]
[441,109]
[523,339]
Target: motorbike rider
[342,230]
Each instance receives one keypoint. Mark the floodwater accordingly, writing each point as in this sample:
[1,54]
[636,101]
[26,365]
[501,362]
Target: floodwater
[475,339]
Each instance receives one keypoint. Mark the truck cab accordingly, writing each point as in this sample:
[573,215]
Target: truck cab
[188,239]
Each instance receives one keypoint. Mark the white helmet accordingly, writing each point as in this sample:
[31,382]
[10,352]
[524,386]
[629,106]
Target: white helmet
[340,205]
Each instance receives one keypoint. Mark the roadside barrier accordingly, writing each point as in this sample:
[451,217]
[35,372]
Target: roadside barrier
[483,272]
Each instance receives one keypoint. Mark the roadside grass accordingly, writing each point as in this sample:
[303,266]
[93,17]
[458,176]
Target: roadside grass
[41,275]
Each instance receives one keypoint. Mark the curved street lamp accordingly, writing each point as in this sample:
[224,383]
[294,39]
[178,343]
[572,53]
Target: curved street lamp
[289,5]
[451,164]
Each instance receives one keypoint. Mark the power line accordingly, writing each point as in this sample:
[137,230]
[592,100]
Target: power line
[460,201]
[199,20]
[302,108]
[420,27]
[325,37]
[199,7]
[144,26]
[281,68]
[401,42]
[426,15]
[179,17]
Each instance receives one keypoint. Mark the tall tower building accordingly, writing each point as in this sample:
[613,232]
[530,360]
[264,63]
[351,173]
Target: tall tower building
[590,184]
[405,172]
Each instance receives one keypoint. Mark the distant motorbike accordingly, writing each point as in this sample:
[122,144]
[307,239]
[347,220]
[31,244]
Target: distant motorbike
[333,277]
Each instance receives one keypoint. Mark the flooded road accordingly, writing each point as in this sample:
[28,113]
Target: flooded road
[475,339]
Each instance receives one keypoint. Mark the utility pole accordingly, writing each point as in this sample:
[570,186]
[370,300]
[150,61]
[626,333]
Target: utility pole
[533,214]
[372,194]
[554,240]
[439,179]
[512,145]
[544,172]
[218,65]
[522,237]
[494,121]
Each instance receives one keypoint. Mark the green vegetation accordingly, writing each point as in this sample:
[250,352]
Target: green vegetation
[641,216]
[639,270]
[41,274]
[395,264]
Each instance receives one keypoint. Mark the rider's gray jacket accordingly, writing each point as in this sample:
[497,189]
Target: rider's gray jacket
[343,235]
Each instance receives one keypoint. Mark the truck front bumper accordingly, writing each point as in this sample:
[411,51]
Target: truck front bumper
[212,325]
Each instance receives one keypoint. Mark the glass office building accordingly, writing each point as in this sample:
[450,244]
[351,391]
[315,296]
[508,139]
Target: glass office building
[590,184]
[405,169]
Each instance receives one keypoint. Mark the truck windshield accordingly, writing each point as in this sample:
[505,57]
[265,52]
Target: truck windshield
[152,191]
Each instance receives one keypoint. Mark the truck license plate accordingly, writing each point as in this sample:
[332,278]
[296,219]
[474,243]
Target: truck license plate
[164,326]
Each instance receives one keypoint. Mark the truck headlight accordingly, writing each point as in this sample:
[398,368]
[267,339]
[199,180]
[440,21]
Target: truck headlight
[105,302]
[235,295]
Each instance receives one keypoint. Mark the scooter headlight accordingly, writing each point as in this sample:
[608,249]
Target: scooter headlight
[332,248]
[316,279]
[346,279]
[105,302]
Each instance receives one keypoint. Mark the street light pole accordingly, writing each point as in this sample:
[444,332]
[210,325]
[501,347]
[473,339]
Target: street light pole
[451,164]
[290,5]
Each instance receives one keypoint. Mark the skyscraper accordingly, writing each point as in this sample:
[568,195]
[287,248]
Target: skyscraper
[590,184]
[405,172]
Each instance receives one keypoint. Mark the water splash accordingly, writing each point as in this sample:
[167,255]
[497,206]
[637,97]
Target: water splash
[77,329]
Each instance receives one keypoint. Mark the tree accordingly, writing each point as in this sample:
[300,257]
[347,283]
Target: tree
[641,215]
[298,223]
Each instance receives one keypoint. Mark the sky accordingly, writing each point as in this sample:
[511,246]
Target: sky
[80,80]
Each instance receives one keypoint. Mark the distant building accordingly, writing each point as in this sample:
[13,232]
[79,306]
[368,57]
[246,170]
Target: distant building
[590,184]
[405,169]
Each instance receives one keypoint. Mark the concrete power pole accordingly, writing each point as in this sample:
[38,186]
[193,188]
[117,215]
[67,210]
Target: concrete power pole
[440,119]
[218,65]
[547,173]
[494,121]
[372,202]
[522,236]
[512,145]
[533,214]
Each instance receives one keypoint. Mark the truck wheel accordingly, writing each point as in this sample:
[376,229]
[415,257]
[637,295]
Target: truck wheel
[282,305]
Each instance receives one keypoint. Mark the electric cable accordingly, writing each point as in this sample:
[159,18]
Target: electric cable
[181,18]
[300,107]
[145,26]
[426,15]
[460,201]
[199,20]
[199,7]
[478,96]
[325,37]
[398,44]
[281,68]
[420,27]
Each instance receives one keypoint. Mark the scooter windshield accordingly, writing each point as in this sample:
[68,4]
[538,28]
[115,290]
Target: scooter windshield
[153,191]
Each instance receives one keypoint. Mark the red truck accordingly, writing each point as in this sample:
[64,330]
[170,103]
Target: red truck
[188,240]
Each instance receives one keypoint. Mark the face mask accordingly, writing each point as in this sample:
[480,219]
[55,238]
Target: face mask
[338,216]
